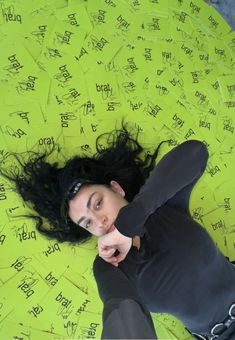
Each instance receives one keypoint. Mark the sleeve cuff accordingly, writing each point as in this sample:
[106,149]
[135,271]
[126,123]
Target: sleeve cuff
[131,219]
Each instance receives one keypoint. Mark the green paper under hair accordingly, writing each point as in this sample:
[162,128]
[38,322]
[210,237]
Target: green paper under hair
[49,188]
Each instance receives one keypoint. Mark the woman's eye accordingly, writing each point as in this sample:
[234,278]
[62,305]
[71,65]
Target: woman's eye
[87,225]
[98,204]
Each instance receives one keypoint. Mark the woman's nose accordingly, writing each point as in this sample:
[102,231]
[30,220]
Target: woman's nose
[103,221]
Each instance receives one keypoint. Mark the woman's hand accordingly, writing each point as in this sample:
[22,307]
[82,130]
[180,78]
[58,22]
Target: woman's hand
[109,243]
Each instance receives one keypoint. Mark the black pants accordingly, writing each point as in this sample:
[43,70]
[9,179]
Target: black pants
[124,314]
[128,321]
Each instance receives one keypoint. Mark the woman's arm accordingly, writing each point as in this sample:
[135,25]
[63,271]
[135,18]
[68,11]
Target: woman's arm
[177,169]
[124,314]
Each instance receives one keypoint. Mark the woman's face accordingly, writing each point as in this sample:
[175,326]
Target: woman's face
[95,207]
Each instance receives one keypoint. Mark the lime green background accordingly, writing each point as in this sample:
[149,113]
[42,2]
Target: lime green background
[70,70]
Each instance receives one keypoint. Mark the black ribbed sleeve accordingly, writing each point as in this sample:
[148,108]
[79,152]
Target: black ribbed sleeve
[177,169]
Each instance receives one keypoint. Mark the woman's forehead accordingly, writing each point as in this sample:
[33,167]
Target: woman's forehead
[85,193]
[87,188]
[80,203]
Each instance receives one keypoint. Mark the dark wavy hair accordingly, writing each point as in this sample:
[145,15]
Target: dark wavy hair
[46,185]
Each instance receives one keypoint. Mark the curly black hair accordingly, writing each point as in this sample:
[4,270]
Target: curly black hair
[46,185]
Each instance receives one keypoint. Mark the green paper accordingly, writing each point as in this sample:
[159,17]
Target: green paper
[72,70]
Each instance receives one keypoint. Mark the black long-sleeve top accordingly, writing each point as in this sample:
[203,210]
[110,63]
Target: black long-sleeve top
[178,269]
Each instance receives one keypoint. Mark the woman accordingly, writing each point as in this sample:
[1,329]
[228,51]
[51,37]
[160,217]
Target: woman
[171,264]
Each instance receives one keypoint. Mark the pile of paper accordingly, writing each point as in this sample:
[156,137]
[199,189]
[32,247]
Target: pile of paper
[71,70]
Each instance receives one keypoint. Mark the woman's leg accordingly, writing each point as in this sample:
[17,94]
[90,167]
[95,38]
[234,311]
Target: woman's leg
[124,314]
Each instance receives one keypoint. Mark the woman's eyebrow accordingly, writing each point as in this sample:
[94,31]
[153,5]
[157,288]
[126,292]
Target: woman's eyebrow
[88,206]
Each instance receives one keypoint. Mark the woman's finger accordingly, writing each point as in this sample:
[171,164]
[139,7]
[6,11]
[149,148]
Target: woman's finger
[106,256]
[120,257]
[107,252]
[112,260]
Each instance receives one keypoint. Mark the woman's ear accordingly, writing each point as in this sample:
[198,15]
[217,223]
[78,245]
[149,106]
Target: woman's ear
[117,188]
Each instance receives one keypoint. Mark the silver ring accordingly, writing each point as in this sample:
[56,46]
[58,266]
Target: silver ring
[230,311]
[199,336]
[215,326]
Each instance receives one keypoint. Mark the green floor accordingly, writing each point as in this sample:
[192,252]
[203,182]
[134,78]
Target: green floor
[70,70]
